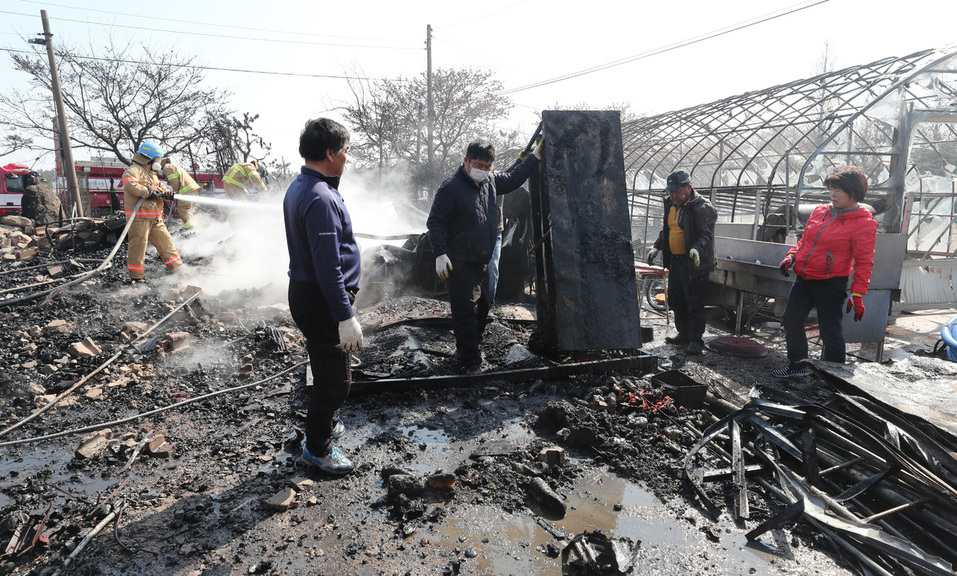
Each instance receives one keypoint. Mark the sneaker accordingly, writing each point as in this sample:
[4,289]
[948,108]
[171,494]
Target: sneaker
[695,348]
[338,429]
[676,340]
[335,462]
[791,371]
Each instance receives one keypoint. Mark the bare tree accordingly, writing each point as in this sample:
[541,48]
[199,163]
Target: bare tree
[374,115]
[11,143]
[389,119]
[114,100]
[231,138]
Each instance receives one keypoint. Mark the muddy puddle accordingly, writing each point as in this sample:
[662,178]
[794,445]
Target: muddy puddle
[518,543]
[674,539]
[54,467]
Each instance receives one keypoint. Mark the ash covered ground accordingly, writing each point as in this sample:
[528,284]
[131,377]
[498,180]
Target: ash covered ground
[443,479]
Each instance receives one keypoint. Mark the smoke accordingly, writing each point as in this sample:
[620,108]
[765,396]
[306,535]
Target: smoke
[382,202]
[239,250]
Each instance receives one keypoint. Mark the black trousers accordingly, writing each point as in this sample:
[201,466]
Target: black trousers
[686,288]
[470,305]
[828,297]
[331,369]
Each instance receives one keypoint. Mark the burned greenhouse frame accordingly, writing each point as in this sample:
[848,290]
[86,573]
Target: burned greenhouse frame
[762,156]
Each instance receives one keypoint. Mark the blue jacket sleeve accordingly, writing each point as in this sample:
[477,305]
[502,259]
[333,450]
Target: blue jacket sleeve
[324,229]
[438,222]
[510,181]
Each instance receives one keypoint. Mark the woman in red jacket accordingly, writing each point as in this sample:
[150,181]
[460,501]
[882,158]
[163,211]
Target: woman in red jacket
[838,240]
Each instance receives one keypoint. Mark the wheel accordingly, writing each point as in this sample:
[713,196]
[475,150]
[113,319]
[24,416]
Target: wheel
[655,293]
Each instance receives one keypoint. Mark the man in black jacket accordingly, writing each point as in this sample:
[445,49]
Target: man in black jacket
[463,226]
[687,244]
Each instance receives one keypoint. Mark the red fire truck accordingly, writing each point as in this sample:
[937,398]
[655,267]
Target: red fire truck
[99,180]
[11,188]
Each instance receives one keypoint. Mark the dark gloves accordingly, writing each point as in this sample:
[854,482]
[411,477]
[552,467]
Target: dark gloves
[855,302]
[652,256]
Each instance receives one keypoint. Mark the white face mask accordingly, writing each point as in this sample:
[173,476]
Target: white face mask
[477,174]
[157,167]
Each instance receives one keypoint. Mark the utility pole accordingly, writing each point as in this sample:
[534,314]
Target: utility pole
[69,170]
[430,113]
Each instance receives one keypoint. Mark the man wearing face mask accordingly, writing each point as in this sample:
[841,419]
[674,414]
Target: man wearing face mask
[140,180]
[687,243]
[463,226]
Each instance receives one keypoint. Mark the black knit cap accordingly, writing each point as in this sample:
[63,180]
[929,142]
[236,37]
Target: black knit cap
[678,179]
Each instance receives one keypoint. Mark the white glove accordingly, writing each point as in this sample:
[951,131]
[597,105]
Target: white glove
[443,266]
[350,335]
[695,257]
[537,149]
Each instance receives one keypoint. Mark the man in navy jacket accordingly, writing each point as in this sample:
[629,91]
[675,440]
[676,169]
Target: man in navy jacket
[323,281]
[463,226]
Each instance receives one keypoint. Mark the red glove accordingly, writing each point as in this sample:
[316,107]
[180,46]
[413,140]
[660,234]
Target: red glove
[856,301]
[786,265]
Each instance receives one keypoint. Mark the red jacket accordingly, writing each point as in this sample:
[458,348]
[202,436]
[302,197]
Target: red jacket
[834,243]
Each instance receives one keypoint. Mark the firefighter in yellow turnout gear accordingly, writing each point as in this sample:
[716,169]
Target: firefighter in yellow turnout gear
[140,181]
[181,183]
[241,179]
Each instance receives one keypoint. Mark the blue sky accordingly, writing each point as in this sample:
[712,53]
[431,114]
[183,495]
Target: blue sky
[519,40]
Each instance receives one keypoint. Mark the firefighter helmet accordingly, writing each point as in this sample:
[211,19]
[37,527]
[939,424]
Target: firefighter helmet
[151,149]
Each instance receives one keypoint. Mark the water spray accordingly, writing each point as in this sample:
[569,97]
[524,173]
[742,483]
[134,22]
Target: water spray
[228,202]
[248,204]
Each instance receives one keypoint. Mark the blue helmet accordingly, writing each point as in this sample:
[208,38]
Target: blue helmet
[151,149]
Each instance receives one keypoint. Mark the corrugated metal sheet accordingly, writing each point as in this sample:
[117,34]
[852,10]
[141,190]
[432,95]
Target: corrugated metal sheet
[929,283]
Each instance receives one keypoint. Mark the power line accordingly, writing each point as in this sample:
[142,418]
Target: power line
[192,22]
[666,48]
[212,35]
[212,68]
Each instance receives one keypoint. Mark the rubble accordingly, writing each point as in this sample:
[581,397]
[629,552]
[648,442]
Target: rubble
[595,554]
[518,354]
[46,399]
[208,504]
[552,456]
[406,484]
[56,270]
[94,444]
[175,342]
[58,327]
[542,494]
[85,348]
[159,446]
[850,469]
[282,500]
[131,330]
[17,221]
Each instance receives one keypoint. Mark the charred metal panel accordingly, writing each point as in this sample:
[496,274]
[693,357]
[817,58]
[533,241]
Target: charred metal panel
[588,296]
